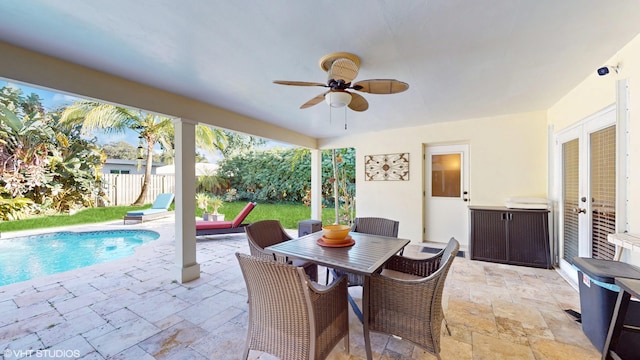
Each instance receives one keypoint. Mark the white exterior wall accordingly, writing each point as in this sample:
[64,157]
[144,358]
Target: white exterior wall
[508,157]
[594,94]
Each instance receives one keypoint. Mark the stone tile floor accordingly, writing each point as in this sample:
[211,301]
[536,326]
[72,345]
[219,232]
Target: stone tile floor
[133,309]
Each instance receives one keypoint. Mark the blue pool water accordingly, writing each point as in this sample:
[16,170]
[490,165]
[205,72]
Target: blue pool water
[29,257]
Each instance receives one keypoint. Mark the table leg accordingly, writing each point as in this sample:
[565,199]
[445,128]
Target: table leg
[365,311]
[617,323]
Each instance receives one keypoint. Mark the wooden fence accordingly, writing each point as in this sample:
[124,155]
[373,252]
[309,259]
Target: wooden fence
[123,189]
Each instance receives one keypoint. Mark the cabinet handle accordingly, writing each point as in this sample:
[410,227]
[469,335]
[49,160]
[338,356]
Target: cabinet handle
[507,216]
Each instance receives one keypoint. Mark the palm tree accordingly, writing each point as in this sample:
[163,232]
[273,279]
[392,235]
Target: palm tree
[151,128]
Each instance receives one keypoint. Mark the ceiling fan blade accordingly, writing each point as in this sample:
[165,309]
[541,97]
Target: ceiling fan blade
[316,100]
[358,103]
[381,86]
[343,68]
[298,83]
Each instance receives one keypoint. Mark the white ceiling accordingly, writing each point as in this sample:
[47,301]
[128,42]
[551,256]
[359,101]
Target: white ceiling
[462,58]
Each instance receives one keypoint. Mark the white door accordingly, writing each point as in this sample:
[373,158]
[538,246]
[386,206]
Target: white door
[446,193]
[586,156]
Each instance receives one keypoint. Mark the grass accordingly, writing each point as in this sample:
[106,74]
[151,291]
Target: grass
[288,214]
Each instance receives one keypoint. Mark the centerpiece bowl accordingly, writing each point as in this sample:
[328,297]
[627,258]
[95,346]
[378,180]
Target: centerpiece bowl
[335,233]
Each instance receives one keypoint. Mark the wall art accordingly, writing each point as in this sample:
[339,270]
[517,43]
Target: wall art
[386,167]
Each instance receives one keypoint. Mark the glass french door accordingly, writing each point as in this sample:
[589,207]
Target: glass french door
[587,158]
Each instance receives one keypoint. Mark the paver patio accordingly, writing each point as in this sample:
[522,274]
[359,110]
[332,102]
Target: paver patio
[133,309]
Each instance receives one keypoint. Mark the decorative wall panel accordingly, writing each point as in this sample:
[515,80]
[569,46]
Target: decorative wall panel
[386,167]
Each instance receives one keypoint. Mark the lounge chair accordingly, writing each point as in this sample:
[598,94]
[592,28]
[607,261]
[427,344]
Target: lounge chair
[160,208]
[225,227]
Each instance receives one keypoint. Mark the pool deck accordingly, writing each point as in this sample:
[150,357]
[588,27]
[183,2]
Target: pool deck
[132,308]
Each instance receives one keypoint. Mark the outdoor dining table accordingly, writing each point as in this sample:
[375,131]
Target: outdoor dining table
[366,256]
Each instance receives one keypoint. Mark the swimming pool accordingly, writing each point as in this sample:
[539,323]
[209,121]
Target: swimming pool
[29,257]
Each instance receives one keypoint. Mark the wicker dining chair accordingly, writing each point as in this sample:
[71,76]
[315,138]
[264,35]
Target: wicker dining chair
[289,316]
[261,234]
[405,299]
[376,226]
[373,226]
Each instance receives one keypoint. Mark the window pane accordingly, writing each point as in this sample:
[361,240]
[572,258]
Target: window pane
[445,175]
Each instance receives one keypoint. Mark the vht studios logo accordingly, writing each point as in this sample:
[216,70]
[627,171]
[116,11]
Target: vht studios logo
[46,353]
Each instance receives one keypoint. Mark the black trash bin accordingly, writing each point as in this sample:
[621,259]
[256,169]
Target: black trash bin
[598,295]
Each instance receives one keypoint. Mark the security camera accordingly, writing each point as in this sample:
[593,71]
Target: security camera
[607,69]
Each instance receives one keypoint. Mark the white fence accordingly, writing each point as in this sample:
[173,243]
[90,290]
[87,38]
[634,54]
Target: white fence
[123,189]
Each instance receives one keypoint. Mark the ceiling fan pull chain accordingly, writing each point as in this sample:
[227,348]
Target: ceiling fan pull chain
[345,118]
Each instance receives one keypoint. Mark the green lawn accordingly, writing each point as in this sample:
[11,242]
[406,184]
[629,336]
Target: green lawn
[288,214]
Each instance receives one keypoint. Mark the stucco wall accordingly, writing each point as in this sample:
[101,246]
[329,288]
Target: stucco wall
[508,157]
[597,92]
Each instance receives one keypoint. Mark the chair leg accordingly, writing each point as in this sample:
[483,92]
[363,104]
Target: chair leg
[446,325]
[345,343]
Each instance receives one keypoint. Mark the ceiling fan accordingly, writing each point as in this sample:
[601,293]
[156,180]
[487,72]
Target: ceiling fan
[342,69]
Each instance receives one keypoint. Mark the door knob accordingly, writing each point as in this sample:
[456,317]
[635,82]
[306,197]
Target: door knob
[578,210]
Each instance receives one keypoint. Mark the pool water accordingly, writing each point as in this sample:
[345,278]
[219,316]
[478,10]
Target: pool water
[29,257]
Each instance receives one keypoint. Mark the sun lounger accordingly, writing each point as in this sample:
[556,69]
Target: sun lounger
[160,208]
[225,227]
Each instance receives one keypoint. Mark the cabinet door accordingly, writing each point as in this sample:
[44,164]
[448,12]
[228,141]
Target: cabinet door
[488,235]
[528,238]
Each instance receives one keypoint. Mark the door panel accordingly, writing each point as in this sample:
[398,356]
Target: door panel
[490,233]
[603,191]
[571,193]
[446,193]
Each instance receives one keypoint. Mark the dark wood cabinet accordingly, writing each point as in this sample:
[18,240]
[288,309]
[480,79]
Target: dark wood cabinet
[510,236]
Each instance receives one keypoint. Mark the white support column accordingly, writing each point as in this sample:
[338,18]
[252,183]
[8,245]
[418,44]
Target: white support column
[316,184]
[187,268]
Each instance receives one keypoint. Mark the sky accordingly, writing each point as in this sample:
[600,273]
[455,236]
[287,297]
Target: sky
[52,100]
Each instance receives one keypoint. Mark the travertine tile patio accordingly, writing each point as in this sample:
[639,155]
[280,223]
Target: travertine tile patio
[133,309]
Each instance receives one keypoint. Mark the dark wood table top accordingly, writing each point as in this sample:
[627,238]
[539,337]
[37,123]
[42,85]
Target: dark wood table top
[367,255]
[632,286]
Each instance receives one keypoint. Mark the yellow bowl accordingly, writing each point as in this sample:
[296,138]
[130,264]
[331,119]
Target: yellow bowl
[336,232]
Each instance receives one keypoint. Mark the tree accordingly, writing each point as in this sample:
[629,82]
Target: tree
[240,143]
[120,150]
[53,167]
[207,138]
[152,129]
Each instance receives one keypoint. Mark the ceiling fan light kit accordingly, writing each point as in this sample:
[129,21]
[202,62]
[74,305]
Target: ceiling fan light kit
[338,99]
[342,68]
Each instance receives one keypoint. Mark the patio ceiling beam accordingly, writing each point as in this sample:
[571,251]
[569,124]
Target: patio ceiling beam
[37,69]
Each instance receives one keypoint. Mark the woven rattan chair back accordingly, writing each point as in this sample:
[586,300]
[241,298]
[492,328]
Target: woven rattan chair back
[376,226]
[411,308]
[261,234]
[265,233]
[288,317]
[372,226]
